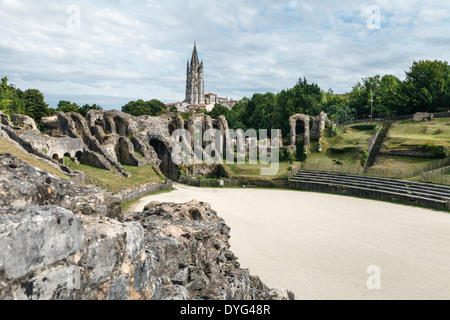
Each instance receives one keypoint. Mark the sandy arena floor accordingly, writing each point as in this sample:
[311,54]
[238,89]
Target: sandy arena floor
[320,246]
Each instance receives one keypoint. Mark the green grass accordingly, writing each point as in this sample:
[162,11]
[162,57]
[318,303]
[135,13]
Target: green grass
[401,162]
[114,183]
[7,147]
[345,147]
[254,171]
[410,135]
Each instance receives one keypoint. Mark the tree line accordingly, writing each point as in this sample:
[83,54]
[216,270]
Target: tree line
[426,88]
[31,102]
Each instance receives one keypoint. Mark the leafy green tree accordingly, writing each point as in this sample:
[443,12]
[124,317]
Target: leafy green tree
[5,97]
[67,106]
[35,105]
[427,86]
[302,98]
[11,98]
[386,96]
[140,108]
[219,110]
[86,108]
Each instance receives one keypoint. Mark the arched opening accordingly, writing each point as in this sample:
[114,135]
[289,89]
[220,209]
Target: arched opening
[55,157]
[299,128]
[66,158]
[167,167]
[300,139]
[78,156]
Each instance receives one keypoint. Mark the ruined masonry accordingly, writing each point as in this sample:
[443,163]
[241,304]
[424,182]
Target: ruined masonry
[60,241]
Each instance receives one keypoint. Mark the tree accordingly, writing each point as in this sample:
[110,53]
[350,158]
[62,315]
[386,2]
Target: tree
[5,97]
[427,86]
[67,106]
[219,110]
[140,108]
[11,98]
[302,98]
[385,91]
[86,108]
[35,105]
[334,104]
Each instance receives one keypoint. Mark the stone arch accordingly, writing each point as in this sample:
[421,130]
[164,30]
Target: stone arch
[56,157]
[78,156]
[296,122]
[68,155]
[167,167]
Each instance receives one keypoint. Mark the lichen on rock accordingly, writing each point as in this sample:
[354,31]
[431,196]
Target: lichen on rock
[60,241]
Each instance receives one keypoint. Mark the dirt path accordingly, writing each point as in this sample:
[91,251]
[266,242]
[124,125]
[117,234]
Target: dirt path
[321,246]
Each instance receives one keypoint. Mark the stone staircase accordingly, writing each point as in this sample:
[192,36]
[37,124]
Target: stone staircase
[417,193]
[378,144]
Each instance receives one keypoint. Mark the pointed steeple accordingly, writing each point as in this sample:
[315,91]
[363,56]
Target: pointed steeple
[194,60]
[195,85]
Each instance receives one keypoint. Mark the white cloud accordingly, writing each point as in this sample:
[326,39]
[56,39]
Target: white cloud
[127,49]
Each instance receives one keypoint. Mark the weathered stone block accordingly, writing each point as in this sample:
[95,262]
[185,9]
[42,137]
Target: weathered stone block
[58,283]
[101,259]
[135,239]
[34,237]
[119,289]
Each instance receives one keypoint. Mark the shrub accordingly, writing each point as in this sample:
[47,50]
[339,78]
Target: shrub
[439,152]
[365,157]
[364,127]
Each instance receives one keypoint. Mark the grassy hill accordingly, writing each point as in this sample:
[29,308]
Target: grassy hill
[102,178]
[409,135]
[8,147]
[110,181]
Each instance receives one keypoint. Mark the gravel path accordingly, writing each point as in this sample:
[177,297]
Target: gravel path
[320,246]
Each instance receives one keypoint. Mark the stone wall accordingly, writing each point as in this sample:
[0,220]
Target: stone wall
[369,193]
[422,117]
[140,191]
[60,241]
[234,182]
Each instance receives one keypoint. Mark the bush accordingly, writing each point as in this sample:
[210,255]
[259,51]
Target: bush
[365,157]
[364,127]
[438,152]
[342,150]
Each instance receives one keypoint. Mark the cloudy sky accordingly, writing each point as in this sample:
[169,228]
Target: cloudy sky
[112,51]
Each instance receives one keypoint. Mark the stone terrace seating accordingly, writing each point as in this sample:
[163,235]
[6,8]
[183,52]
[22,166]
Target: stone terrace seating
[430,195]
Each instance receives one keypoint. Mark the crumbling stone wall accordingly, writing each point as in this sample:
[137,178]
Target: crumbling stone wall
[423,117]
[316,132]
[59,241]
[306,137]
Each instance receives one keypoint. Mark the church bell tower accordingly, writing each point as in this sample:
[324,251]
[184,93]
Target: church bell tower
[195,81]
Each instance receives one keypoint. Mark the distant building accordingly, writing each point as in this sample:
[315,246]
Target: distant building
[195,90]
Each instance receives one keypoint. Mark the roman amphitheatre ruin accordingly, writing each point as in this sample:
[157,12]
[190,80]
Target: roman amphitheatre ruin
[110,253]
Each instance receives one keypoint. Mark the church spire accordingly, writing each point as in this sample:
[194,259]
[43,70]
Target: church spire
[195,83]
[194,60]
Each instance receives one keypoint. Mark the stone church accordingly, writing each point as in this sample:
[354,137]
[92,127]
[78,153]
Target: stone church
[195,82]
[195,89]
